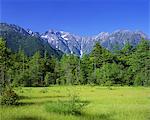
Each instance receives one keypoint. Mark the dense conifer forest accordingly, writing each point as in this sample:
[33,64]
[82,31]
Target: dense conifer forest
[128,66]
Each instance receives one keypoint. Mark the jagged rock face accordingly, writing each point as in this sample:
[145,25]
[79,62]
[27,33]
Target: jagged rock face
[11,27]
[63,41]
[30,42]
[69,43]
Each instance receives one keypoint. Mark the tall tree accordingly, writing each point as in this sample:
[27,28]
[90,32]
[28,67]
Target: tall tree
[4,63]
[139,64]
[86,68]
[69,69]
[96,55]
[35,70]
[19,68]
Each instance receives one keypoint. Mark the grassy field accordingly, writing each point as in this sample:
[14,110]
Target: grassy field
[120,103]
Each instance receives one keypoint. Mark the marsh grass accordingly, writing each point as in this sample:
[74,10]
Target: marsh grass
[73,106]
[121,103]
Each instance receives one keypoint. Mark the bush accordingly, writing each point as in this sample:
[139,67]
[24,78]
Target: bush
[9,97]
[73,106]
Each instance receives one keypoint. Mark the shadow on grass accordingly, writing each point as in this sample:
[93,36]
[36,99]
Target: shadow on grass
[42,97]
[49,99]
[33,103]
[61,108]
[106,116]
[81,117]
[28,118]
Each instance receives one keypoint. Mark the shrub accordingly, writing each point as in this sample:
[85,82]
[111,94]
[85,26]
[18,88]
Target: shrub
[9,97]
[73,106]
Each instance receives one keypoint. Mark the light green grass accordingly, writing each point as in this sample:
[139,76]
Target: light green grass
[120,103]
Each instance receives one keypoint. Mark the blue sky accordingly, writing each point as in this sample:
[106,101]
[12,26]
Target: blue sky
[82,17]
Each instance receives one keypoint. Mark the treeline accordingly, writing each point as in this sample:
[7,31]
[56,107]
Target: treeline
[129,66]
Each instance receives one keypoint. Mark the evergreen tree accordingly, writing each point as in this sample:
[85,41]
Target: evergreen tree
[109,73]
[48,66]
[35,70]
[86,69]
[96,55]
[19,68]
[69,69]
[4,64]
[139,68]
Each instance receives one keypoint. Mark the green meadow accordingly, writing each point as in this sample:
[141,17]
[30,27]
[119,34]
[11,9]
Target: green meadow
[103,103]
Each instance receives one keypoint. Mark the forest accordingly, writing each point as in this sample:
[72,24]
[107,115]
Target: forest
[128,66]
[96,86]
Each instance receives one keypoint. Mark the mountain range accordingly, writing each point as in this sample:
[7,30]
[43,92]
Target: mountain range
[70,43]
[58,42]
[19,38]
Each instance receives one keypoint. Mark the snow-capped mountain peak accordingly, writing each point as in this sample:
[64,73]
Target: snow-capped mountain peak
[102,35]
[73,44]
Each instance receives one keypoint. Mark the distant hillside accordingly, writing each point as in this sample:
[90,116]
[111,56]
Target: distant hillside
[18,38]
[58,42]
[70,43]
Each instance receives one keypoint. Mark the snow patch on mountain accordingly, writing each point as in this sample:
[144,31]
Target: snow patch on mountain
[73,44]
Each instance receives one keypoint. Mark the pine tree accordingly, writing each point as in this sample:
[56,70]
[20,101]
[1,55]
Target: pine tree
[35,70]
[96,55]
[86,68]
[139,68]
[4,64]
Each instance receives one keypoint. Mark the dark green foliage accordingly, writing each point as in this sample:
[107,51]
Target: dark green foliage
[69,70]
[9,97]
[4,64]
[97,55]
[139,67]
[109,73]
[19,71]
[129,66]
[86,68]
[49,78]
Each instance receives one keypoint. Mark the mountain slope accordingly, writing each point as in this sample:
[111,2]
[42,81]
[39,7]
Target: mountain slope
[17,37]
[54,41]
[69,43]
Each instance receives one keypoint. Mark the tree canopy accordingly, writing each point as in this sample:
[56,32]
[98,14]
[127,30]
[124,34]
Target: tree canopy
[129,66]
